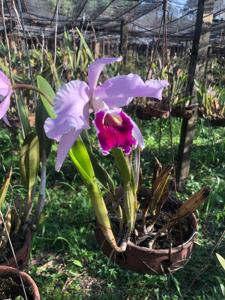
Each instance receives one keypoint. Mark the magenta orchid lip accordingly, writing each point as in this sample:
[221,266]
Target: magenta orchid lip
[114,130]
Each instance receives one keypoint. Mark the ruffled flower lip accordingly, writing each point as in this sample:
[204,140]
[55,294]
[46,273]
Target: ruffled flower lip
[114,130]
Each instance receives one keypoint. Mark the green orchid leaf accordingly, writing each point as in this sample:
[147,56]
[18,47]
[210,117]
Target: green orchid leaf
[122,164]
[81,159]
[29,162]
[101,174]
[44,142]
[45,87]
[23,116]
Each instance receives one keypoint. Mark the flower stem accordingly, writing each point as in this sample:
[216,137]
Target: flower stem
[18,86]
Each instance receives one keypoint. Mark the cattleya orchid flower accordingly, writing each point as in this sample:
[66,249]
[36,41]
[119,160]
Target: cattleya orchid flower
[75,100]
[5,94]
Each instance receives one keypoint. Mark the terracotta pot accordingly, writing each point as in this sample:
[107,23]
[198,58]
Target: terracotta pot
[22,254]
[153,261]
[16,289]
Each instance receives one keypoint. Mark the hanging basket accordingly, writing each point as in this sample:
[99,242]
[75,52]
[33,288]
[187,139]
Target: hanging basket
[153,108]
[150,111]
[216,122]
[184,112]
[153,261]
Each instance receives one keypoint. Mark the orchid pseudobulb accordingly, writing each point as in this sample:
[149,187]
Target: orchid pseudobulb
[75,100]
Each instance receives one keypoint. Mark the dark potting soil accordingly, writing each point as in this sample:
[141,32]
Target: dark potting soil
[17,242]
[176,235]
[11,287]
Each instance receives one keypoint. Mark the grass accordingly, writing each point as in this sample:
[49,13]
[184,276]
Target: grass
[66,262]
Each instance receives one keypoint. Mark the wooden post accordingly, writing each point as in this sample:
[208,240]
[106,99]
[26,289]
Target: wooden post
[195,71]
[123,40]
[96,49]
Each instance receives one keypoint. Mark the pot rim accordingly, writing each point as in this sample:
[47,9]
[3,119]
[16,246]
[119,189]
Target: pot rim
[25,277]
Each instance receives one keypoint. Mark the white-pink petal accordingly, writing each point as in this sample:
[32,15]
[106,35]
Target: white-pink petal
[66,142]
[95,69]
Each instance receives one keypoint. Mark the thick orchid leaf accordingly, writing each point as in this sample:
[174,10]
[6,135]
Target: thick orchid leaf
[23,116]
[101,174]
[130,209]
[221,260]
[136,169]
[29,161]
[122,164]
[5,188]
[41,115]
[45,87]
[87,49]
[44,142]
[81,159]
[130,200]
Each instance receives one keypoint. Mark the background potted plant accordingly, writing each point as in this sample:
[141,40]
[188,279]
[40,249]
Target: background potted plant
[117,132]
[21,217]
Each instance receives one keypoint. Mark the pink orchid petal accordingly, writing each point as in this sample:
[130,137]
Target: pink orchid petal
[71,108]
[138,136]
[4,80]
[66,142]
[4,105]
[5,94]
[112,134]
[95,69]
[119,91]
[157,87]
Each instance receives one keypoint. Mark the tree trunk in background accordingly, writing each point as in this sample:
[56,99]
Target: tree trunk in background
[195,71]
